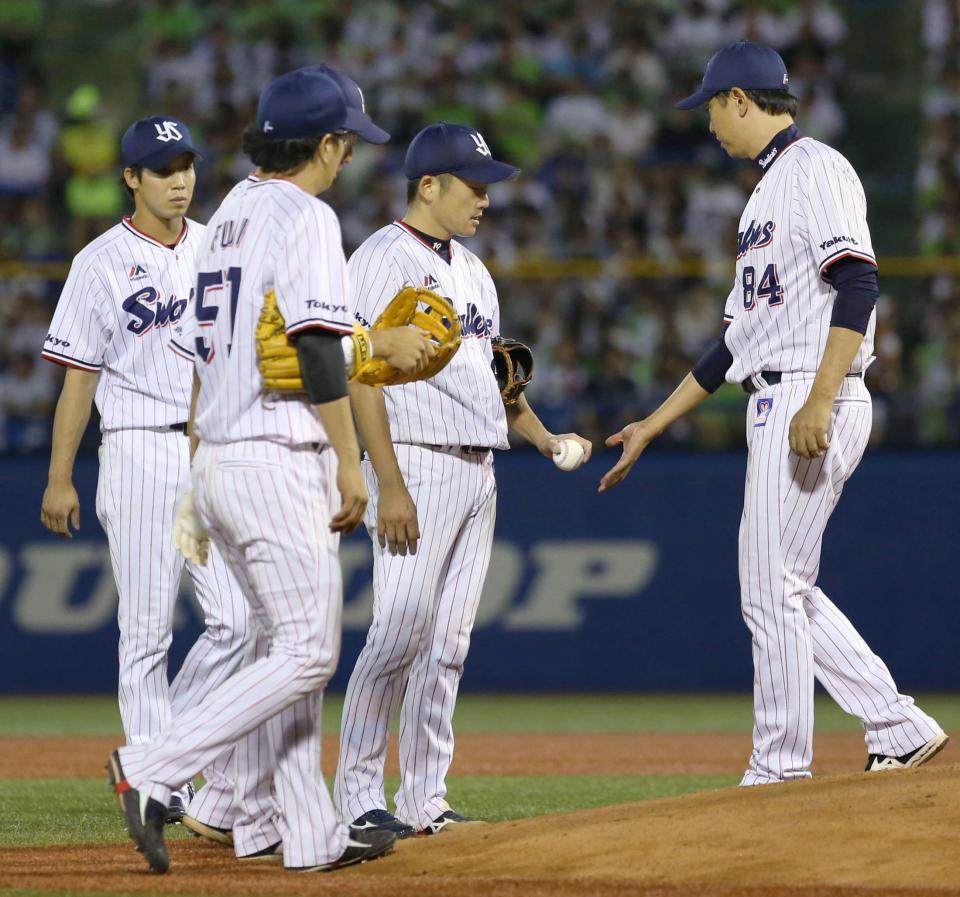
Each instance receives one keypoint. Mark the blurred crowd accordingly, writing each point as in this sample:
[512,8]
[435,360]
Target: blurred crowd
[578,94]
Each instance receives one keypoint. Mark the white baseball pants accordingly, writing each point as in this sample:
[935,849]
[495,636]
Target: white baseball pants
[267,508]
[143,474]
[424,608]
[798,633]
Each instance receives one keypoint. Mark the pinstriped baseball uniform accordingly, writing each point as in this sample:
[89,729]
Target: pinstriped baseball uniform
[124,294]
[807,213]
[424,604]
[264,477]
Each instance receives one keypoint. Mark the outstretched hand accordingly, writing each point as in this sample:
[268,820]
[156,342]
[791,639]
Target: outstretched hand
[634,438]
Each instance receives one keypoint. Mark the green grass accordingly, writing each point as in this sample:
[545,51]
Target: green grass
[98,715]
[35,812]
[93,715]
[81,811]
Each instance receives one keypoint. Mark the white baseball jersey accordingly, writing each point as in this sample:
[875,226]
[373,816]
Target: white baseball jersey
[424,603]
[266,235]
[461,405]
[124,293]
[808,212]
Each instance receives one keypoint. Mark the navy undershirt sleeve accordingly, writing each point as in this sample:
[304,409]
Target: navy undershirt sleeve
[321,365]
[857,292]
[711,369]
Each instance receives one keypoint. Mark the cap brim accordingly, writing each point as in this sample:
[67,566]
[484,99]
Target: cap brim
[163,157]
[697,99]
[486,172]
[362,125]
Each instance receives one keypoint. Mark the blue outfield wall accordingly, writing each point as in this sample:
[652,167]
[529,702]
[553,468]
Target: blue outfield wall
[632,590]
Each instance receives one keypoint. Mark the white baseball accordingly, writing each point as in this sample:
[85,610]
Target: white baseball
[569,456]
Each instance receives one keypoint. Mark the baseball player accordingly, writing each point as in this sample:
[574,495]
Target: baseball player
[125,293]
[237,800]
[429,473]
[264,475]
[798,337]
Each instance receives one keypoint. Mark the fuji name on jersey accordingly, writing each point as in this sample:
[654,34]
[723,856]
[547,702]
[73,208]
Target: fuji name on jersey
[755,237]
[229,233]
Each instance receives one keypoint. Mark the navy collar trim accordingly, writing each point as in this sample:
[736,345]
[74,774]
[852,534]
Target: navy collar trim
[440,247]
[776,147]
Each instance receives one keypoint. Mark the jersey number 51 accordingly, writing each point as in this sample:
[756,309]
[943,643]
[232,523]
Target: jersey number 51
[210,291]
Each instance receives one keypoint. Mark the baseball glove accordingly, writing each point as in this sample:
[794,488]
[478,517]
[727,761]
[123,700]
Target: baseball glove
[277,355]
[438,319]
[513,366]
[280,366]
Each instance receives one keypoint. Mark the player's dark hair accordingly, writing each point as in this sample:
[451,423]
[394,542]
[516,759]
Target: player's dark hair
[277,155]
[413,187]
[138,171]
[773,102]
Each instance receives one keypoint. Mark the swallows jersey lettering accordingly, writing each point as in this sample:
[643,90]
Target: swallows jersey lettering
[754,237]
[474,324]
[147,312]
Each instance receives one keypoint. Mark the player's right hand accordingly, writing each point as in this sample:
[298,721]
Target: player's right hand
[397,526]
[353,498]
[634,438]
[408,349]
[60,506]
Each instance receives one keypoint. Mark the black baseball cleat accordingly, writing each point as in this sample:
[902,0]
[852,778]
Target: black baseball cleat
[210,832]
[917,757]
[370,844]
[143,815]
[381,821]
[179,801]
[443,821]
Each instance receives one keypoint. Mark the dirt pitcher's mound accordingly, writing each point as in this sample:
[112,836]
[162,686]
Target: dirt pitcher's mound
[891,833]
[890,830]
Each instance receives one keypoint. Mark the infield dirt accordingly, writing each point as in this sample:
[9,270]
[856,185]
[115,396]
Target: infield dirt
[891,833]
[513,754]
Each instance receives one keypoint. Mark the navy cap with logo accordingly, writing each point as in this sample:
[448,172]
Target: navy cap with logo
[454,149]
[302,103]
[154,142]
[744,64]
[357,119]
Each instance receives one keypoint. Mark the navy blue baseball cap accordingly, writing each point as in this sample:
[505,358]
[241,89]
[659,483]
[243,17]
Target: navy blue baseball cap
[744,64]
[153,142]
[358,120]
[454,149]
[302,103]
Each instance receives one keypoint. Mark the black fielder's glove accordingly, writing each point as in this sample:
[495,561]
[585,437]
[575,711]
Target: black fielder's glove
[513,366]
